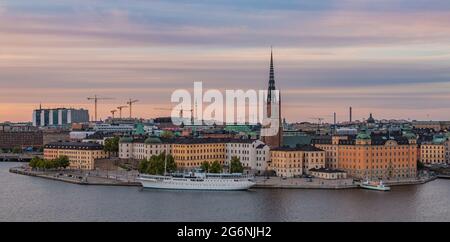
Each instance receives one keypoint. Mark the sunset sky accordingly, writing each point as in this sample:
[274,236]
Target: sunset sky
[388,57]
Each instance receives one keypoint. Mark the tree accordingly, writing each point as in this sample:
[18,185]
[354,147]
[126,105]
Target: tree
[215,167]
[167,134]
[143,165]
[34,162]
[156,164]
[111,145]
[205,166]
[171,165]
[236,165]
[62,162]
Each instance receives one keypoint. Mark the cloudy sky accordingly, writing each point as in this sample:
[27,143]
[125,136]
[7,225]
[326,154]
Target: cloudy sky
[389,57]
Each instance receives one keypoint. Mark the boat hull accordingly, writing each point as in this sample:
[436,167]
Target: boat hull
[188,184]
[376,188]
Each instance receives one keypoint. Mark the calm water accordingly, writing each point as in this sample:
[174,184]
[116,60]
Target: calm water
[25,198]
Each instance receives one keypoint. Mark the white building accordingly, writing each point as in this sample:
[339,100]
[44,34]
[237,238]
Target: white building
[139,149]
[80,135]
[112,128]
[253,154]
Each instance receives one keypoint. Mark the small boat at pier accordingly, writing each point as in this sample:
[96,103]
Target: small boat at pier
[378,186]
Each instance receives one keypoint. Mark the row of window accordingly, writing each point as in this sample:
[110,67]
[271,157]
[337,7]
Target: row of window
[199,157]
[194,151]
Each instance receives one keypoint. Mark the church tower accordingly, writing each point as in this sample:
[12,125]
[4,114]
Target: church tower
[277,139]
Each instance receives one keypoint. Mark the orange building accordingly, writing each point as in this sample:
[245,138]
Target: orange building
[373,157]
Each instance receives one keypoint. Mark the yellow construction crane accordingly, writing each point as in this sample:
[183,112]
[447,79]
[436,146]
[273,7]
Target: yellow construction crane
[130,102]
[96,98]
[113,112]
[120,110]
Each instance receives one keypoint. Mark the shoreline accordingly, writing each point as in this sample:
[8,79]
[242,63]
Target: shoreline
[102,182]
[261,183]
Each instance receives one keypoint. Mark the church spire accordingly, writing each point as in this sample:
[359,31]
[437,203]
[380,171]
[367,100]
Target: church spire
[271,78]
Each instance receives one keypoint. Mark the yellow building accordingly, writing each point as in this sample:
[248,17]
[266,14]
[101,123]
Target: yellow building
[190,153]
[328,174]
[81,155]
[433,153]
[290,162]
[374,157]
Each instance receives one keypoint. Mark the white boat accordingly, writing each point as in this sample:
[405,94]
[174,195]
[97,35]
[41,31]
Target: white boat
[197,181]
[378,186]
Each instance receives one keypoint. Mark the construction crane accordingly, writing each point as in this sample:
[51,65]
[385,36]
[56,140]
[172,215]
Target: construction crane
[96,98]
[113,112]
[120,110]
[130,102]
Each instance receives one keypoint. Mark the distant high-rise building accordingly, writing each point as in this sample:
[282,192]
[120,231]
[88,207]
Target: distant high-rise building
[59,117]
[273,140]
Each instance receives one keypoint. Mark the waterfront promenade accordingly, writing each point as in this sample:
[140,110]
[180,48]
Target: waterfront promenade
[128,178]
[106,178]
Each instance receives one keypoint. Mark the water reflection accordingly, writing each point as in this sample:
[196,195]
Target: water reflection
[33,199]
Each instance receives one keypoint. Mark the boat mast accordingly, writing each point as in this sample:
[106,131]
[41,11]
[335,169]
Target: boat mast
[165,162]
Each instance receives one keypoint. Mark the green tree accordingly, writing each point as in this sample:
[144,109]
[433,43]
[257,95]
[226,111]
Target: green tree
[111,145]
[215,167]
[143,165]
[171,165]
[62,162]
[156,164]
[40,163]
[205,166]
[236,165]
[34,162]
[167,134]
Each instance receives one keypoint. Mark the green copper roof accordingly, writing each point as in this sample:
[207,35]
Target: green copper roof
[153,140]
[363,136]
[238,128]
[294,141]
[439,138]
[126,140]
[409,135]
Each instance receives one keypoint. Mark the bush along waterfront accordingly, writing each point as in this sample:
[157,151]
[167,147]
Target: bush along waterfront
[60,162]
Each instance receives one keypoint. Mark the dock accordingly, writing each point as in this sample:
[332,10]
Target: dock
[75,178]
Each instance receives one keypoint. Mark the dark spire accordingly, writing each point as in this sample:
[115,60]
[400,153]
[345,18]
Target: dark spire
[271,78]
